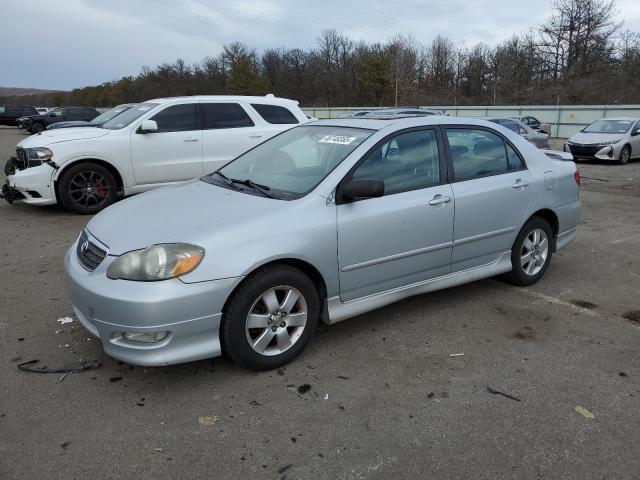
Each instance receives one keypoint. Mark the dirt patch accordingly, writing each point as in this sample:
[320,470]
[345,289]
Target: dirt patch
[584,304]
[632,316]
[525,333]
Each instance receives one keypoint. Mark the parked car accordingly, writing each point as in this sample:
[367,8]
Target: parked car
[42,110]
[534,123]
[38,123]
[9,114]
[151,144]
[96,122]
[357,113]
[610,139]
[539,139]
[325,221]
[423,112]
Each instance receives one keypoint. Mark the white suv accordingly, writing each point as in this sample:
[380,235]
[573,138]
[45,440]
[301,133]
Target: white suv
[149,145]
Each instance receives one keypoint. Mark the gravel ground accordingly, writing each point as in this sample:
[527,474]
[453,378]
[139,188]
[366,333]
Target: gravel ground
[386,398]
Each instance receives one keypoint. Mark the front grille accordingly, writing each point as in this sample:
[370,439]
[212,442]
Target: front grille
[21,157]
[89,254]
[584,150]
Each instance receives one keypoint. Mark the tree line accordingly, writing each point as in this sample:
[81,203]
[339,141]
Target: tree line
[580,55]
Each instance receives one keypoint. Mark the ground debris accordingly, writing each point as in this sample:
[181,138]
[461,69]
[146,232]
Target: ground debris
[73,367]
[207,420]
[584,412]
[497,392]
[302,389]
[64,320]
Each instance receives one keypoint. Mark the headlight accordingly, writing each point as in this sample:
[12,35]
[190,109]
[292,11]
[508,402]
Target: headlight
[158,262]
[604,144]
[38,156]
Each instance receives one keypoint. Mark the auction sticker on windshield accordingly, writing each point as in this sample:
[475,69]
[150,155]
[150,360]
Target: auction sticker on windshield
[338,139]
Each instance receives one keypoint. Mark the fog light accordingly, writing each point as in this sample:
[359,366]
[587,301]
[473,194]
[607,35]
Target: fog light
[146,337]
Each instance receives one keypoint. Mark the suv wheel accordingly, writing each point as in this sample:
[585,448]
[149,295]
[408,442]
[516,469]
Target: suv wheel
[37,127]
[625,155]
[269,320]
[531,253]
[87,188]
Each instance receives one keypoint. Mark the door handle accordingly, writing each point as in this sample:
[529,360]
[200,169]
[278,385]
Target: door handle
[520,184]
[440,200]
[190,139]
[255,135]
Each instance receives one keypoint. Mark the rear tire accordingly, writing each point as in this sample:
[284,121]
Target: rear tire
[87,188]
[625,155]
[531,253]
[270,318]
[37,127]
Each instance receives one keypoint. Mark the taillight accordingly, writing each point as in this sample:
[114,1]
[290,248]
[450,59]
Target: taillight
[576,176]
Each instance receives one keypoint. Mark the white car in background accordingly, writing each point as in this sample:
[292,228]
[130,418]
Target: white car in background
[611,139]
[152,144]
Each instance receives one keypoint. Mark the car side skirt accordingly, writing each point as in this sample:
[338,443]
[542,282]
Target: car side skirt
[339,310]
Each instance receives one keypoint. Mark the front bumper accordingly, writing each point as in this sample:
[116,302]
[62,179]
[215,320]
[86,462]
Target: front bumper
[594,152]
[35,184]
[191,313]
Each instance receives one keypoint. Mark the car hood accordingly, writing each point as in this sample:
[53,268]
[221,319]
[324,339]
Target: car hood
[57,135]
[594,138]
[190,212]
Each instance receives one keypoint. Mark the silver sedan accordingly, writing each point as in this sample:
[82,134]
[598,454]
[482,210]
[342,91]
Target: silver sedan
[323,222]
[538,138]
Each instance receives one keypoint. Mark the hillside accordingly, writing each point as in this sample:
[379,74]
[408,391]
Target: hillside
[11,91]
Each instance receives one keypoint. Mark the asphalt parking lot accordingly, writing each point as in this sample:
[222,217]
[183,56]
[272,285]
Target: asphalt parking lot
[387,399]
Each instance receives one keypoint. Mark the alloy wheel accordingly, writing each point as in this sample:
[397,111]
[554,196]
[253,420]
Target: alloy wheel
[276,320]
[535,251]
[89,189]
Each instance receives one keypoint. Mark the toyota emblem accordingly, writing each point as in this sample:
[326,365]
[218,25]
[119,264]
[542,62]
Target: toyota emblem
[84,247]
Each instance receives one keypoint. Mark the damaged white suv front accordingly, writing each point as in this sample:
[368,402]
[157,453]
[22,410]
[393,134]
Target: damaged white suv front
[31,173]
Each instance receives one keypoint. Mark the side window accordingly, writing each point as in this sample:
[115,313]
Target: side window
[476,153]
[60,113]
[223,115]
[514,160]
[275,114]
[177,118]
[510,124]
[2,109]
[405,162]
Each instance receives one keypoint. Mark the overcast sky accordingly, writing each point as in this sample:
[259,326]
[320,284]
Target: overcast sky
[63,44]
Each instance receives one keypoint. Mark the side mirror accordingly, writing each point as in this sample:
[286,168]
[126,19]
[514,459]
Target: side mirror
[363,189]
[521,131]
[148,126]
[635,132]
[52,114]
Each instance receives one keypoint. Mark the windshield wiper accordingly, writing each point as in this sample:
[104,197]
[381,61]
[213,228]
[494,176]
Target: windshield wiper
[225,179]
[263,189]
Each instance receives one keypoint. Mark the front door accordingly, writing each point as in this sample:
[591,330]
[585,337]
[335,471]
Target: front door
[171,154]
[492,192]
[405,236]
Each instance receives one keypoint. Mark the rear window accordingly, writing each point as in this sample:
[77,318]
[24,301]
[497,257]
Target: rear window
[275,114]
[223,115]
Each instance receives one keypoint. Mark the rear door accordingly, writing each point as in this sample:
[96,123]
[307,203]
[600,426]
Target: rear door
[228,129]
[491,191]
[405,236]
[174,152]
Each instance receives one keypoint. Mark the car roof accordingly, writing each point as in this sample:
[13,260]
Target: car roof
[407,121]
[267,99]
[617,118]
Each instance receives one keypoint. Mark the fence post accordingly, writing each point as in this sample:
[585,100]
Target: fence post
[604,112]
[558,121]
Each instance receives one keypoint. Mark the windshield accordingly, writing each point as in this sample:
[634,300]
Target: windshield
[609,126]
[109,114]
[128,116]
[293,163]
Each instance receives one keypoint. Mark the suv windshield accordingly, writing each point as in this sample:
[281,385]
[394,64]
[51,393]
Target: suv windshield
[291,164]
[609,126]
[125,118]
[109,114]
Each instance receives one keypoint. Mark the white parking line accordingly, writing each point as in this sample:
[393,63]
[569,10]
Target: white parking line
[564,303]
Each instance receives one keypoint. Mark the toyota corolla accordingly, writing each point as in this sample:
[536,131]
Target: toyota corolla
[323,222]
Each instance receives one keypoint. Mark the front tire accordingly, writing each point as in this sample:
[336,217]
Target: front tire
[625,155]
[531,253]
[37,127]
[270,318]
[87,188]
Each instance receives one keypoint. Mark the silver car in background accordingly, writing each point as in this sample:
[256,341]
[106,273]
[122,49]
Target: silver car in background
[611,139]
[322,222]
[537,138]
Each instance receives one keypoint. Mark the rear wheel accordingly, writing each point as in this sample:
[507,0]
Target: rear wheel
[87,188]
[531,253]
[625,155]
[270,319]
